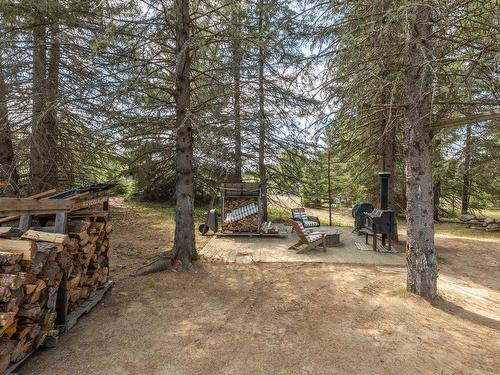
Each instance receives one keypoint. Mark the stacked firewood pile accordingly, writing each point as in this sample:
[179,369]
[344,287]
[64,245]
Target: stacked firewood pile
[488,224]
[32,268]
[248,223]
[44,274]
[90,252]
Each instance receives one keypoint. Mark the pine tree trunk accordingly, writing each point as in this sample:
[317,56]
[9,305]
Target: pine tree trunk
[8,170]
[38,142]
[52,127]
[420,251]
[236,50]
[262,114]
[388,127]
[467,164]
[184,241]
[44,132]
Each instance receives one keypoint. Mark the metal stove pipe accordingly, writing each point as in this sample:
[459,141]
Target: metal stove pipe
[384,189]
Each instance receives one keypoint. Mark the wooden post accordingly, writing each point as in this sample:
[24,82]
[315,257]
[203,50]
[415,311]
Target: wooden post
[61,226]
[25,222]
[329,188]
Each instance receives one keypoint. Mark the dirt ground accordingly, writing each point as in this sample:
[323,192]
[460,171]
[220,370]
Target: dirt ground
[281,318]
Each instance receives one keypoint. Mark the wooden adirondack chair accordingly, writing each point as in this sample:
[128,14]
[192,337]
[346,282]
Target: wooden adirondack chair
[299,214]
[307,240]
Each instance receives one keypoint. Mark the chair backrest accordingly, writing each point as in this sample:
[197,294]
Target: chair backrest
[299,213]
[298,227]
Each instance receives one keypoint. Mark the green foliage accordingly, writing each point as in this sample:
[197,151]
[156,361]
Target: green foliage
[279,214]
[346,185]
[126,187]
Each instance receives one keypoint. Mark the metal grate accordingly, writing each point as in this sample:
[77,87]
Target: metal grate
[369,247]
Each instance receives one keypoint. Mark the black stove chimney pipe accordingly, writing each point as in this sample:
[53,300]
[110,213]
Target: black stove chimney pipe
[384,189]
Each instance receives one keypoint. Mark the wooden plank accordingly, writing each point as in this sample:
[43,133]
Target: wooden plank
[20,206]
[78,196]
[27,248]
[45,229]
[25,222]
[42,195]
[61,223]
[61,239]
[89,203]
[483,116]
[251,234]
[10,370]
[86,307]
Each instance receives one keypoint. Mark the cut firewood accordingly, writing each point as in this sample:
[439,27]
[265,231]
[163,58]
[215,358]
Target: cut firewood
[30,288]
[4,362]
[11,268]
[22,350]
[9,305]
[10,330]
[83,238]
[7,318]
[10,281]
[10,232]
[5,294]
[109,227]
[76,226]
[74,282]
[7,257]
[26,248]
[7,346]
[30,311]
[40,286]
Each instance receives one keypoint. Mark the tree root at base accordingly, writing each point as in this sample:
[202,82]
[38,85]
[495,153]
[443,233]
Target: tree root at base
[163,263]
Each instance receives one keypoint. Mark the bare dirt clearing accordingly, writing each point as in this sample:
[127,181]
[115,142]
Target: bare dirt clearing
[280,318]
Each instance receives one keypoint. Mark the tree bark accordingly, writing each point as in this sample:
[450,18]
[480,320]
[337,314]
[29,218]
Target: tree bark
[262,114]
[467,164]
[43,147]
[184,241]
[236,51]
[53,96]
[420,252]
[8,169]
[388,127]
[437,199]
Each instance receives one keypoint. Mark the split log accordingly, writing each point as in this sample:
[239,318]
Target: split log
[9,258]
[11,268]
[7,346]
[26,248]
[10,232]
[11,281]
[61,239]
[7,318]
[4,362]
[29,310]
